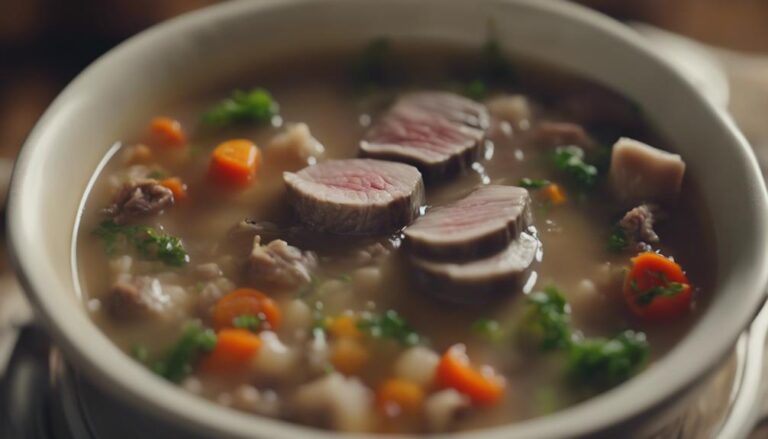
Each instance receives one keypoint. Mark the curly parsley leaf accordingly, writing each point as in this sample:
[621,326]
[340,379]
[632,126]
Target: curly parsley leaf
[256,106]
[617,241]
[249,322]
[389,325]
[149,243]
[570,160]
[533,183]
[180,359]
[372,68]
[601,363]
[547,321]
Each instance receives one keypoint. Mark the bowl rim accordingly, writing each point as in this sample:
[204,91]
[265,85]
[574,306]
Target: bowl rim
[153,395]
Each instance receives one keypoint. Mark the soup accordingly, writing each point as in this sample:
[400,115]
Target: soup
[416,239]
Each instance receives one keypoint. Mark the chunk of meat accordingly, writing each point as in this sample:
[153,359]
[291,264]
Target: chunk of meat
[295,147]
[280,265]
[439,133]
[139,198]
[356,196]
[637,225]
[480,280]
[562,134]
[133,298]
[480,224]
[336,401]
[642,173]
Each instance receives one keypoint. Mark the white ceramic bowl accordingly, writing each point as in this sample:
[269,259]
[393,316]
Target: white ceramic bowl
[117,93]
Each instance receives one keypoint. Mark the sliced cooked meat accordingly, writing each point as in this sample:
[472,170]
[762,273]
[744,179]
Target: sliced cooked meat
[642,173]
[480,280]
[356,196]
[480,224]
[637,225]
[139,198]
[562,134]
[136,297]
[437,132]
[280,265]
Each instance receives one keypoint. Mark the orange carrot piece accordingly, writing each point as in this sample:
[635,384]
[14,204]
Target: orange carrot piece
[176,186]
[348,356]
[245,302]
[454,370]
[344,326]
[166,132]
[554,194]
[140,153]
[656,288]
[234,348]
[396,395]
[234,163]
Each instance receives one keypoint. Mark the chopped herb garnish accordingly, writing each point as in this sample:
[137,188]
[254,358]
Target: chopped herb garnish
[495,66]
[601,364]
[617,241]
[249,322]
[593,362]
[156,175]
[547,322]
[488,328]
[533,183]
[570,159]
[256,106]
[389,325]
[476,89]
[149,243]
[140,353]
[372,67]
[179,360]
[666,289]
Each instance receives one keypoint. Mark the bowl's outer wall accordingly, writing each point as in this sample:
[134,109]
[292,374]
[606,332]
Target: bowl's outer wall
[117,93]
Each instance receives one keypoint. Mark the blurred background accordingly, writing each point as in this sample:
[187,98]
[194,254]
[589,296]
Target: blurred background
[45,43]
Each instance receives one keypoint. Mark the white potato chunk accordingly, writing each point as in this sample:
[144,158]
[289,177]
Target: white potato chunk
[442,408]
[514,109]
[418,365]
[642,173]
[274,359]
[345,402]
[297,318]
[295,146]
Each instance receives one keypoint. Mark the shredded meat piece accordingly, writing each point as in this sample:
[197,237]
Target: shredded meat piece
[563,133]
[637,225]
[139,198]
[132,298]
[279,264]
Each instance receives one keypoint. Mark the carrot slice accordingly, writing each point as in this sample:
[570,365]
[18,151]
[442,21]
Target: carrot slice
[348,356]
[176,186]
[234,163]
[554,194]
[396,395]
[166,132]
[483,386]
[245,302]
[234,348]
[656,288]
[344,326]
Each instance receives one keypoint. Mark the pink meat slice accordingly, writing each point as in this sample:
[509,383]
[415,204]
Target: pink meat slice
[483,279]
[482,223]
[356,196]
[438,132]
